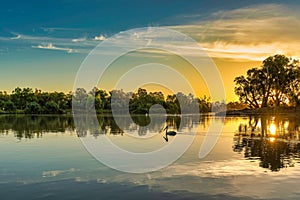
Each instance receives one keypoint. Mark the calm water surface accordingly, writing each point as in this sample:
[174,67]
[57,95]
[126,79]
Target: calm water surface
[42,157]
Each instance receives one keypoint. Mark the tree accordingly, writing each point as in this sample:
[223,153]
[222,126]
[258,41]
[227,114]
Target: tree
[51,107]
[101,102]
[293,89]
[253,89]
[33,108]
[119,101]
[277,68]
[17,99]
[172,104]
[204,104]
[272,84]
[21,97]
[141,101]
[3,98]
[35,101]
[90,104]
[9,106]
[79,99]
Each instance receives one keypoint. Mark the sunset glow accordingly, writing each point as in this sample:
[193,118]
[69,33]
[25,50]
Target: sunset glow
[237,38]
[149,99]
[272,129]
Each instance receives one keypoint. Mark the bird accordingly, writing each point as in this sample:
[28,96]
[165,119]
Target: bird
[169,133]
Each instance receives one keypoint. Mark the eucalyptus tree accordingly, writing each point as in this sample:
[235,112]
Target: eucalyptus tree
[249,89]
[278,77]
[275,83]
[293,88]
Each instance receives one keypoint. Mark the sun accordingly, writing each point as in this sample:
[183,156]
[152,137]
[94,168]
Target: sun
[272,129]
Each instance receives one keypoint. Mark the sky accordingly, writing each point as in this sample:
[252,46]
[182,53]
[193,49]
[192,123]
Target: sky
[43,43]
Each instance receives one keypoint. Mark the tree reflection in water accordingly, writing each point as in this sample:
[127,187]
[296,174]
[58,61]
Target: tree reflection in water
[25,126]
[107,125]
[273,140]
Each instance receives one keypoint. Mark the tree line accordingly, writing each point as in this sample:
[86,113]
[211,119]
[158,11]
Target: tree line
[275,83]
[30,101]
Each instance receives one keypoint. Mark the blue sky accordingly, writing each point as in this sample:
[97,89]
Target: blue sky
[42,43]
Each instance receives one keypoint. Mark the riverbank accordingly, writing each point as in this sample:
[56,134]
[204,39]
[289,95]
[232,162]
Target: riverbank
[263,111]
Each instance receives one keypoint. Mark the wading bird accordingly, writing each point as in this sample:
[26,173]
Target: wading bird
[168,133]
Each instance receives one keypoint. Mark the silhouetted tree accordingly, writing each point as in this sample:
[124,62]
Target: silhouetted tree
[276,81]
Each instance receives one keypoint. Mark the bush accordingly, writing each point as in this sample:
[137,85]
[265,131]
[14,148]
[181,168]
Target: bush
[33,108]
[9,106]
[51,108]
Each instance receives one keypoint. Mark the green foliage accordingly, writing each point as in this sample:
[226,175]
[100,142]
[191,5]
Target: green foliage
[236,106]
[21,97]
[51,108]
[33,108]
[29,101]
[172,104]
[141,101]
[90,103]
[9,106]
[275,83]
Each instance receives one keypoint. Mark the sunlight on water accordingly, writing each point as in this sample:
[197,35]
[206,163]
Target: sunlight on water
[272,139]
[43,155]
[272,129]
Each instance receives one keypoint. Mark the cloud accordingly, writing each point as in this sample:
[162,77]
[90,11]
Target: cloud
[16,37]
[51,29]
[58,172]
[52,47]
[45,41]
[100,38]
[252,52]
[251,33]
[78,39]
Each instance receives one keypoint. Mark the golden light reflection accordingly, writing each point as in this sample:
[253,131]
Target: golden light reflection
[272,139]
[286,125]
[272,129]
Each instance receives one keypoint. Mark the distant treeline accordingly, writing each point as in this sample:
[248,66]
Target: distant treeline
[27,100]
[30,101]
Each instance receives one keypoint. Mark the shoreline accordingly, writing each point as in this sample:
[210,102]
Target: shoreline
[244,112]
[264,111]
